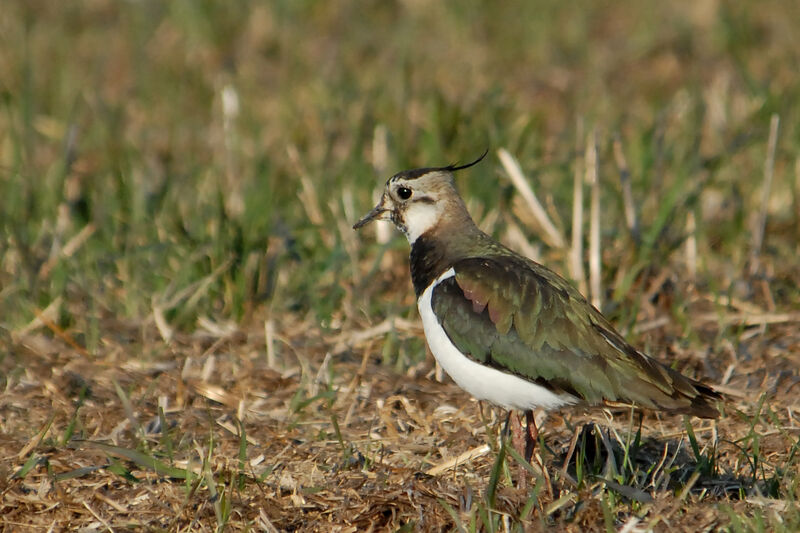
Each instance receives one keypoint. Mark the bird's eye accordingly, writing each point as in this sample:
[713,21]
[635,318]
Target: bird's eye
[404,193]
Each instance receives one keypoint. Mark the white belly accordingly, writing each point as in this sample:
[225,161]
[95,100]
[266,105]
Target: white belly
[483,382]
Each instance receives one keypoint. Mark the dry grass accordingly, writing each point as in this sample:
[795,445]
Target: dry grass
[341,442]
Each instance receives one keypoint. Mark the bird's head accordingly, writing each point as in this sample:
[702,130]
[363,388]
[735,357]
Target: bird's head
[417,200]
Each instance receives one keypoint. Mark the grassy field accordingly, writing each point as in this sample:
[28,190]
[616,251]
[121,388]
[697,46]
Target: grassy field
[192,338]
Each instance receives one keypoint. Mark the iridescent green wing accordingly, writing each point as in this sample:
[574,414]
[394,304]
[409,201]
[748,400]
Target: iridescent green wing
[517,316]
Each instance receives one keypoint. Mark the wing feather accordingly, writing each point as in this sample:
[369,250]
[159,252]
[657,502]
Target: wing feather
[517,316]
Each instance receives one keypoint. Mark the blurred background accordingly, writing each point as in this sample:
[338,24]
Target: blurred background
[182,296]
[192,159]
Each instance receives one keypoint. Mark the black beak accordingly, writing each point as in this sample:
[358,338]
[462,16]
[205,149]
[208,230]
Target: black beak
[376,213]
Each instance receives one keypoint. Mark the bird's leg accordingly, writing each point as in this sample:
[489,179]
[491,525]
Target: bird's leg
[531,437]
[506,426]
[518,441]
[517,434]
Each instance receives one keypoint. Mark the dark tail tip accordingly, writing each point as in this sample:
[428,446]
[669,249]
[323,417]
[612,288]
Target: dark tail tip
[704,404]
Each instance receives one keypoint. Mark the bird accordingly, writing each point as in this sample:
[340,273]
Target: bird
[509,330]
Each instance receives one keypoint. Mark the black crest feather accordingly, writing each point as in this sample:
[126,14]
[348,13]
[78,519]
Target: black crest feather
[419,172]
[454,167]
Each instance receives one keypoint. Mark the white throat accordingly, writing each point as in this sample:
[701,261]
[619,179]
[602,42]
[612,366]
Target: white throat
[419,217]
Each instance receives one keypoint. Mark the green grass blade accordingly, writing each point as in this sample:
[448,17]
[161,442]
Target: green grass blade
[33,460]
[147,462]
[494,476]
[242,474]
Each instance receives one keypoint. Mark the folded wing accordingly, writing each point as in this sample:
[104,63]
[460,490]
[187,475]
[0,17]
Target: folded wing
[519,317]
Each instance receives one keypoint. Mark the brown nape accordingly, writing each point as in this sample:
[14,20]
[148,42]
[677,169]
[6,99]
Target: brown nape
[456,221]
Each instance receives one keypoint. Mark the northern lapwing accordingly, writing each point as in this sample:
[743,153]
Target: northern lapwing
[510,330]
